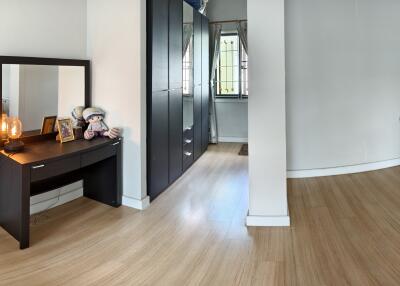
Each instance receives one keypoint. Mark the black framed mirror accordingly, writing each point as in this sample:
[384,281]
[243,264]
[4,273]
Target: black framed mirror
[36,88]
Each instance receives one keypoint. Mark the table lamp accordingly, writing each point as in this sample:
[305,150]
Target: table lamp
[14,132]
[3,129]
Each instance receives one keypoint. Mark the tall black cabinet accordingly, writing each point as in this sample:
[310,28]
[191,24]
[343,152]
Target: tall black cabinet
[175,89]
[158,97]
[171,149]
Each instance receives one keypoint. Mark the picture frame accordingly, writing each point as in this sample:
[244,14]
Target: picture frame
[48,125]
[65,130]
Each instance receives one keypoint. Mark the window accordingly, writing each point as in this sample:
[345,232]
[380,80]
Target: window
[232,75]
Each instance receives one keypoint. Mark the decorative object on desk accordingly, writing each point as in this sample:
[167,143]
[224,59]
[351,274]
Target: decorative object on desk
[3,129]
[95,117]
[77,114]
[78,133]
[14,131]
[65,130]
[48,125]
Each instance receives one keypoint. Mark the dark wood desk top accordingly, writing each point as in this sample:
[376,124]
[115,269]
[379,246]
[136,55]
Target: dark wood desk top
[51,150]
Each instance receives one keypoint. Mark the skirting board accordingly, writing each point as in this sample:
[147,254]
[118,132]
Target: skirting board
[135,203]
[232,140]
[343,170]
[268,221]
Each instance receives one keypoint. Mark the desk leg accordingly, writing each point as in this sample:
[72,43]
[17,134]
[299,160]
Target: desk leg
[14,200]
[25,208]
[103,181]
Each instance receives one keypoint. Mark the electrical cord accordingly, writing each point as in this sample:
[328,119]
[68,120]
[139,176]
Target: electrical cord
[44,213]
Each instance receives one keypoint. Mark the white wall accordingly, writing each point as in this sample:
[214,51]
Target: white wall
[231,114]
[38,89]
[117,48]
[5,81]
[226,10]
[71,89]
[14,92]
[343,87]
[267,126]
[232,117]
[44,28]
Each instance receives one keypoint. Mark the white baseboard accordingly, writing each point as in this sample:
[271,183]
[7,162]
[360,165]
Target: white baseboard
[272,221]
[52,199]
[135,203]
[343,170]
[232,140]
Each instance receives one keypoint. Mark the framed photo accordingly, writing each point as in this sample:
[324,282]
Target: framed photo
[48,125]
[65,129]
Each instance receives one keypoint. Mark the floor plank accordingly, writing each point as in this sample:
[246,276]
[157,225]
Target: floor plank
[345,231]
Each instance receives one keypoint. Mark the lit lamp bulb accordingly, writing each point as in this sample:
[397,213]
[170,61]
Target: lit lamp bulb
[14,131]
[3,129]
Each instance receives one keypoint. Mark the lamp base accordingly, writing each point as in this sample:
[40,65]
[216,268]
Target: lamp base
[14,146]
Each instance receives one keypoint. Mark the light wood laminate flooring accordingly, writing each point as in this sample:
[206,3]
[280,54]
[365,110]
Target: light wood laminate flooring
[345,231]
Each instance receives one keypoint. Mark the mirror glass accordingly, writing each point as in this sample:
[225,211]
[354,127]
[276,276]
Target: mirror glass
[32,92]
[188,103]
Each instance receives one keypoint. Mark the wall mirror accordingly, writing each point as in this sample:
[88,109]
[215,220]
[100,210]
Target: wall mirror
[35,88]
[188,100]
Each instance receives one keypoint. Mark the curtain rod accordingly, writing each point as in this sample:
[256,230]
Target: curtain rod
[229,21]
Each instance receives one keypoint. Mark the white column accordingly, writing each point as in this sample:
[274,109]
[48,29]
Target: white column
[267,117]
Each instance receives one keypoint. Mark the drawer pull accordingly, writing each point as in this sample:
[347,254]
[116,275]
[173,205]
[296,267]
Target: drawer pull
[38,167]
[188,141]
[188,154]
[117,143]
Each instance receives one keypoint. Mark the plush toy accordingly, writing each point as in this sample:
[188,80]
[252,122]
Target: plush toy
[95,116]
[77,114]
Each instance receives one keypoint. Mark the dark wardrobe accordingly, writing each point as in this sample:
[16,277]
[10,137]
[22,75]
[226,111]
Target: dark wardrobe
[177,91]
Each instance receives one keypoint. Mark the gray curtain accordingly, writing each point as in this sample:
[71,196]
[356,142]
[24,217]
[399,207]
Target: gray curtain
[242,31]
[215,44]
[187,35]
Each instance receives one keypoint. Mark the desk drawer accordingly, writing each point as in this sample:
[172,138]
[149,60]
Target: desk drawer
[100,154]
[55,168]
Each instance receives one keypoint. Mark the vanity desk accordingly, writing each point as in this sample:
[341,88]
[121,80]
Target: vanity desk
[33,90]
[48,165]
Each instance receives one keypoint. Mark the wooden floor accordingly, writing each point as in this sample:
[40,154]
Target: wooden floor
[345,231]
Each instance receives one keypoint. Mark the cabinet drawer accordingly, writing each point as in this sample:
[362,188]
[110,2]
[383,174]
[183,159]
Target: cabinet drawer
[100,154]
[188,134]
[55,168]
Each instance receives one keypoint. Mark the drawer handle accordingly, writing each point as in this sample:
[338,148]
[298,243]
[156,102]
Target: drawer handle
[188,154]
[38,167]
[117,143]
[188,141]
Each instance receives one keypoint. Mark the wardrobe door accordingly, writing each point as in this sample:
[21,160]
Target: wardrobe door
[175,89]
[157,98]
[197,70]
[205,90]
[188,107]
